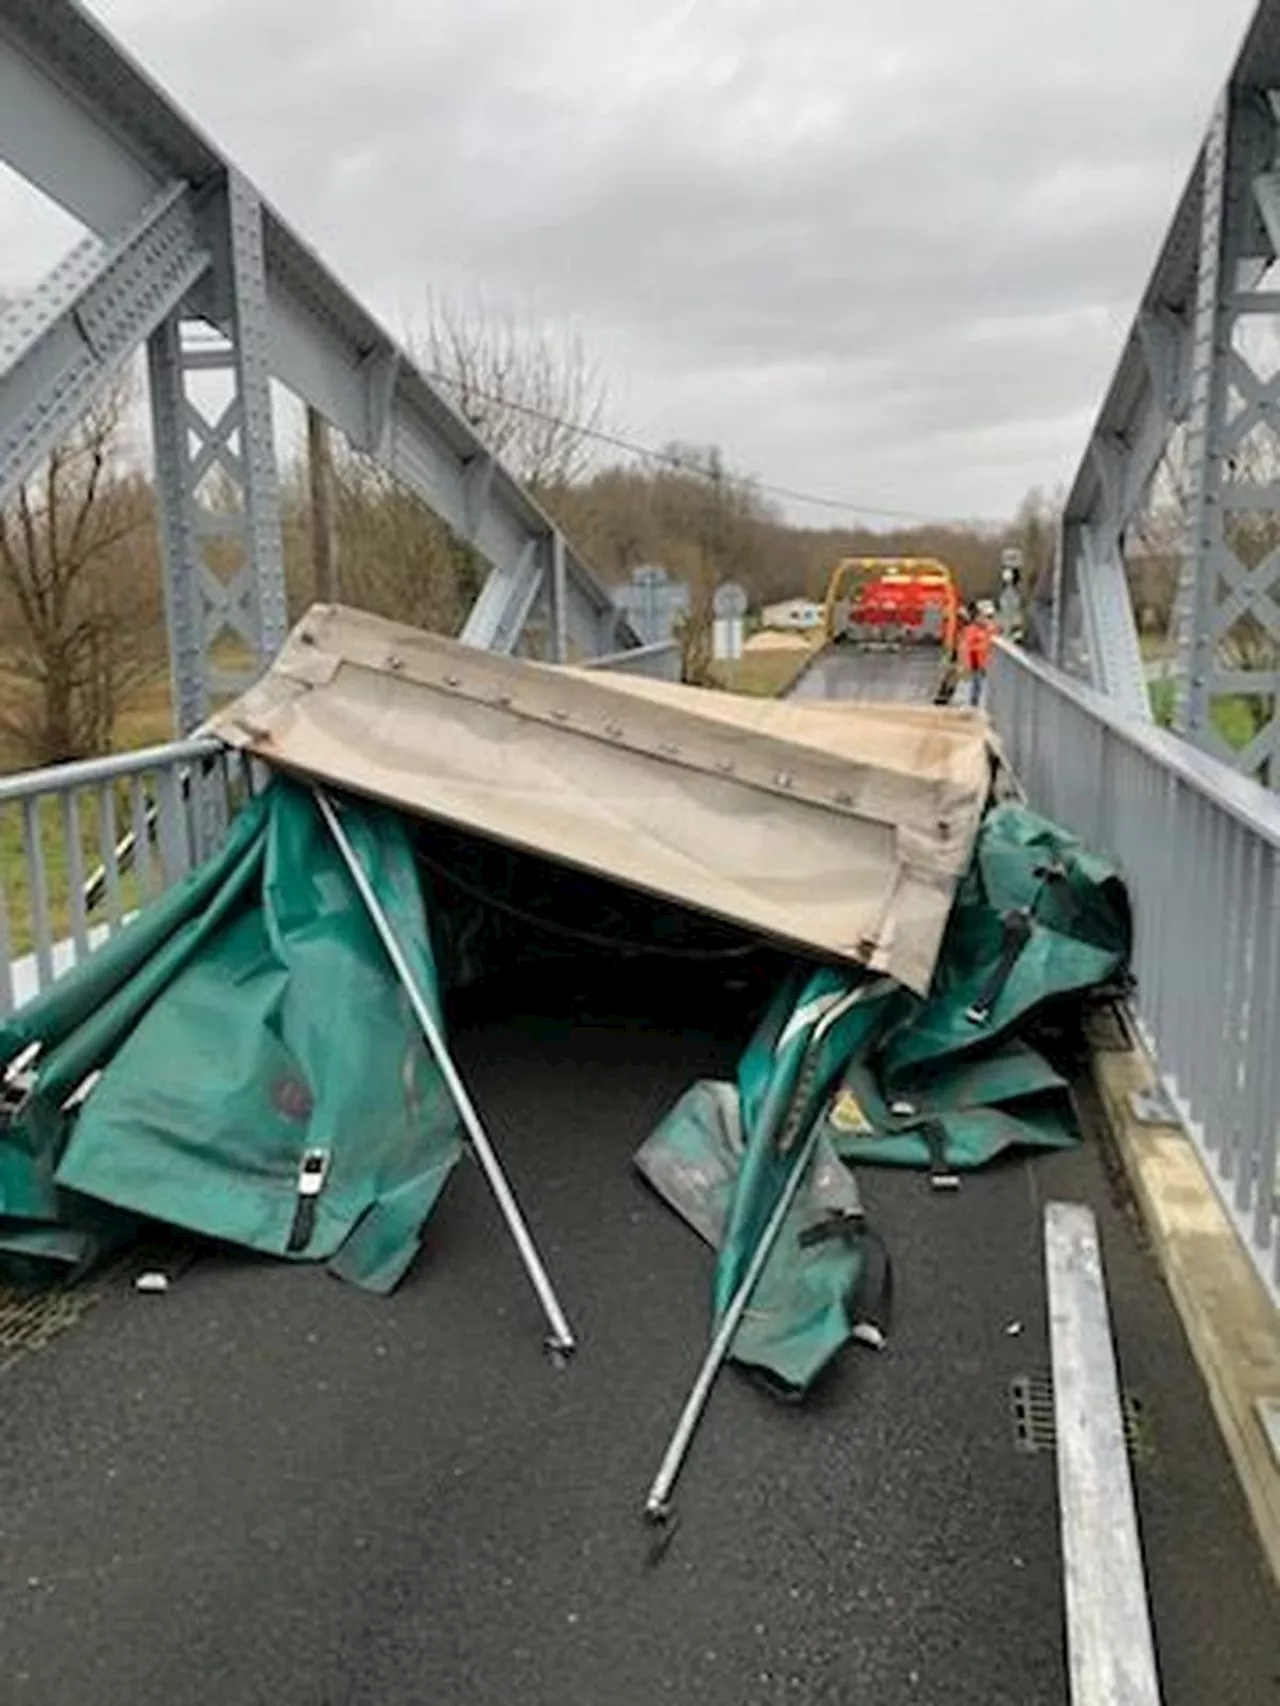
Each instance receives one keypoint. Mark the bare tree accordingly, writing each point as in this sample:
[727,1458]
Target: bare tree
[398,558]
[1035,530]
[324,545]
[81,613]
[716,528]
[531,391]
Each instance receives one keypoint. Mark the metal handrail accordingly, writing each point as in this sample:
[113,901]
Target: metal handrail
[179,798]
[89,772]
[1255,807]
[1199,845]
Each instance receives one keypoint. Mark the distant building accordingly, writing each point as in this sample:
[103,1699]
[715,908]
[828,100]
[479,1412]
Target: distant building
[799,614]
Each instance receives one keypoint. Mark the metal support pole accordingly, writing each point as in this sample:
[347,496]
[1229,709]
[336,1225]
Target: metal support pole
[657,1507]
[561,1341]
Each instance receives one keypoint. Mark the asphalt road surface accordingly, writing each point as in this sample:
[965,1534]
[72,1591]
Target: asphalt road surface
[264,1488]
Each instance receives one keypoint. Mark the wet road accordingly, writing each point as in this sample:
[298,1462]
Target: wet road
[266,1487]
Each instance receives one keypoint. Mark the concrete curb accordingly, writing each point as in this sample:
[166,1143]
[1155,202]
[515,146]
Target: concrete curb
[1230,1322]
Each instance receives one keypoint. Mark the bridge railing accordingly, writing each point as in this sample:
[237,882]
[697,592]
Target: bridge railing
[1200,849]
[83,845]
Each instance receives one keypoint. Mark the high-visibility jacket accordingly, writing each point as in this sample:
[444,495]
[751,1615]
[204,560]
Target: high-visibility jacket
[975,646]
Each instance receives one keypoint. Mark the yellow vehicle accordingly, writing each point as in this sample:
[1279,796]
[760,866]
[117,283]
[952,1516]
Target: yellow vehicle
[893,601]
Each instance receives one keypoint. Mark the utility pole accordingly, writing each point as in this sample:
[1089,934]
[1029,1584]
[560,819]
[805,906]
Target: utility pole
[324,549]
[716,471]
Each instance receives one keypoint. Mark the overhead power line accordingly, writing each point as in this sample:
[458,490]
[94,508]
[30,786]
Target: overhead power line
[681,465]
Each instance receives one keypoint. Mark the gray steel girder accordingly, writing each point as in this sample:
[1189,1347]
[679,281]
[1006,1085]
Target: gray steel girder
[81,121]
[84,322]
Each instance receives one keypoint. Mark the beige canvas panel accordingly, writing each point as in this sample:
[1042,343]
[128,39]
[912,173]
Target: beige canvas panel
[770,822]
[937,739]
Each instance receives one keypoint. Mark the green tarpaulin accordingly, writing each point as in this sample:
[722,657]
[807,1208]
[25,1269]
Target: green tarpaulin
[724,1153]
[250,1032]
[247,1021]
[961,1116]
[944,1083]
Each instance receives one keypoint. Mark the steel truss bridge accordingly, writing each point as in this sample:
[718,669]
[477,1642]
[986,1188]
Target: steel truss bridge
[186,261]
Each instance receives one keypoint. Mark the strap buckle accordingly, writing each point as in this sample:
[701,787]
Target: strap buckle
[18,1082]
[313,1170]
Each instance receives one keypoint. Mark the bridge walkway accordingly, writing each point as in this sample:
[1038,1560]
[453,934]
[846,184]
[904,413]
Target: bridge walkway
[263,1486]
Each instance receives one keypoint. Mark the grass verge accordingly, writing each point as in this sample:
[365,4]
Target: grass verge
[1231,715]
[763,674]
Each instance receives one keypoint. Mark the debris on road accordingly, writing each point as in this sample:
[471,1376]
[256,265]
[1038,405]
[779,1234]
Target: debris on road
[261,1057]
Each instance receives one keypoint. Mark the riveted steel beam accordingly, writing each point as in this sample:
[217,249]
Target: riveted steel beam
[84,322]
[84,123]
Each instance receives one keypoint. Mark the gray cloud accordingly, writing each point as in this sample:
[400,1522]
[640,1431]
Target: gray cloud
[881,248]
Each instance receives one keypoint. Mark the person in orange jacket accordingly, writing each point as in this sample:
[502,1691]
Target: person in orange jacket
[975,653]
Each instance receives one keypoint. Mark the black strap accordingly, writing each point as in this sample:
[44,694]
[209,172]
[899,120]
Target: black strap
[304,1224]
[1015,934]
[1055,875]
[846,1223]
[942,1175]
[869,1304]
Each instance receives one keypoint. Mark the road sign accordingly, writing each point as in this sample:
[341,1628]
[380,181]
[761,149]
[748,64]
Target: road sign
[730,600]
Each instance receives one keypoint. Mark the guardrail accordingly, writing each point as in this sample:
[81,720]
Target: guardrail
[1200,848]
[661,661]
[83,845]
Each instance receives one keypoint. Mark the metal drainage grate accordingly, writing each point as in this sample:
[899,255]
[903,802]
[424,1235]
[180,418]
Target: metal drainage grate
[1031,1406]
[30,1319]
[32,1316]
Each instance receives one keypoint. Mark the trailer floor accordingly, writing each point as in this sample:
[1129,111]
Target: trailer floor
[266,1487]
[845,671]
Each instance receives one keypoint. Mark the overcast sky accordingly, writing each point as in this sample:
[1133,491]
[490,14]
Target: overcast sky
[881,249]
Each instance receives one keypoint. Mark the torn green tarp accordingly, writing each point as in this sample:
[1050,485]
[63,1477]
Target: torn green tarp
[918,1083]
[45,1229]
[961,1116]
[722,1157]
[283,1032]
[693,1160]
[817,1023]
[1036,918]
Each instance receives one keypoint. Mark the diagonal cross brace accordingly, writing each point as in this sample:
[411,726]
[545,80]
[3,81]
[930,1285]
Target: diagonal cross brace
[83,323]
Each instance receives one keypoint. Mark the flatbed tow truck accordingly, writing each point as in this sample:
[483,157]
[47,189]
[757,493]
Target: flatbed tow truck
[891,626]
